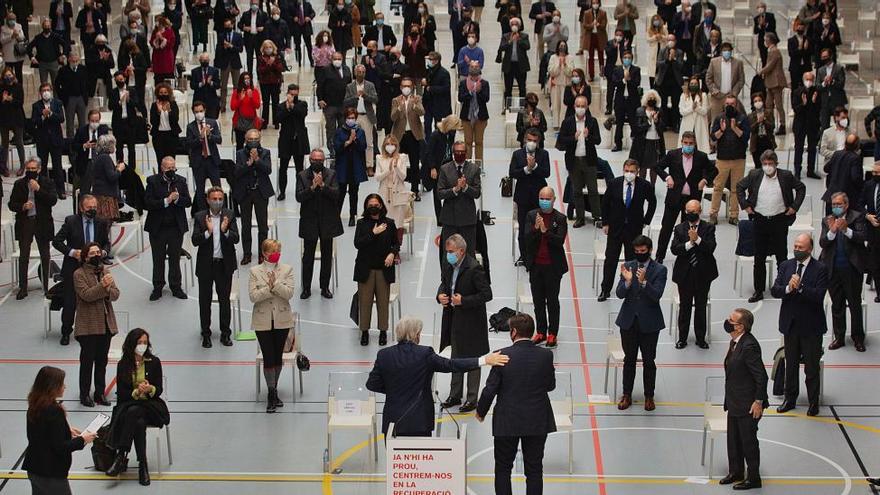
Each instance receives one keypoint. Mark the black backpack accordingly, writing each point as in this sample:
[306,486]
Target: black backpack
[498,321]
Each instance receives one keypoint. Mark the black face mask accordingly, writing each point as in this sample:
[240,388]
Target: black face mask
[169,175]
[316,166]
[642,257]
[120,84]
[91,213]
[692,216]
[252,145]
[203,64]
[728,326]
[31,175]
[164,97]
[694,89]
[373,210]
[95,261]
[730,111]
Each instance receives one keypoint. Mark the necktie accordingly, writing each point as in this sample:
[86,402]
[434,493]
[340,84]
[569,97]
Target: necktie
[94,140]
[88,231]
[729,352]
[800,270]
[692,255]
[461,170]
[629,194]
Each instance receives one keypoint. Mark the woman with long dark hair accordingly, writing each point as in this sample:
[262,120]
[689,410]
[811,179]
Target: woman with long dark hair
[244,104]
[51,440]
[138,403]
[164,122]
[375,238]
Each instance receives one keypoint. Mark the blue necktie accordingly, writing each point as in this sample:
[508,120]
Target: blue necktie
[629,195]
[88,231]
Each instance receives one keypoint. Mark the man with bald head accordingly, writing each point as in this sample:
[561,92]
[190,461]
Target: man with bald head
[801,283]
[693,244]
[544,257]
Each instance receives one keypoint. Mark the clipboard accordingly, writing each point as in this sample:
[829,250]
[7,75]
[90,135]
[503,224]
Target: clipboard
[100,420]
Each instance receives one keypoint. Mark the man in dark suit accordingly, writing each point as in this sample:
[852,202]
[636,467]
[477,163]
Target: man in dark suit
[542,13]
[530,166]
[578,137]
[843,251]
[436,92]
[215,235]
[640,319]
[84,142]
[461,29]
[801,283]
[764,22]
[91,23]
[202,138]
[686,171]
[745,398]
[381,33]
[463,292]
[844,172]
[514,54]
[166,200]
[317,192]
[252,23]
[523,415]
[683,24]
[800,53]
[670,71]
[293,138]
[227,56]
[614,50]
[77,231]
[831,78]
[772,197]
[870,202]
[31,199]
[299,15]
[253,188]
[806,101]
[332,81]
[73,89]
[629,205]
[404,373]
[544,257]
[205,82]
[693,244]
[625,81]
[47,115]
[459,186]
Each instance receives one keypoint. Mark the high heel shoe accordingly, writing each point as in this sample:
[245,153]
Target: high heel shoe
[120,464]
[143,473]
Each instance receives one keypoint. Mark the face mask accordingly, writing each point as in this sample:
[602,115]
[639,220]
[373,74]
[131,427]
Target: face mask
[269,51]
[769,170]
[254,8]
[688,149]
[451,258]
[826,61]
[91,213]
[728,326]
[618,38]
[390,149]
[670,44]
[475,73]
[627,62]
[169,174]
[380,22]
[458,157]
[652,103]
[694,89]
[31,175]
[95,261]
[837,211]
[429,64]
[352,123]
[406,91]
[46,30]
[576,80]
[167,97]
[373,210]
[761,10]
[556,19]
[808,84]
[275,17]
[759,105]
[274,257]
[531,146]
[514,28]
[580,111]
[595,6]
[726,54]
[692,216]
[545,204]
[826,22]
[337,63]
[801,255]
[10,23]
[656,24]
[203,63]
[844,122]
[215,205]
[140,349]
[316,165]
[340,7]
[422,11]
[200,116]
[708,20]
[629,176]
[47,95]
[94,126]
[642,257]
[472,41]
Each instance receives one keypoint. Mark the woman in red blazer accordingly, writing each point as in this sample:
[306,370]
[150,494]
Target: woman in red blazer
[163,40]
[244,104]
[270,69]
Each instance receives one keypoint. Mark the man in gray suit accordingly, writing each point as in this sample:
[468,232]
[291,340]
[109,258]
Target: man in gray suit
[640,319]
[361,94]
[458,186]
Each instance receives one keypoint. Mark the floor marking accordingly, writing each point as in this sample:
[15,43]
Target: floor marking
[429,230]
[852,448]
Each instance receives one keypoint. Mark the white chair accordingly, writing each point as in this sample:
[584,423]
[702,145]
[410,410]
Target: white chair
[714,424]
[34,254]
[351,406]
[409,224]
[803,221]
[234,303]
[155,432]
[739,266]
[600,242]
[288,358]
[523,290]
[514,230]
[7,235]
[394,298]
[614,354]
[562,403]
[725,198]
[675,307]
[136,227]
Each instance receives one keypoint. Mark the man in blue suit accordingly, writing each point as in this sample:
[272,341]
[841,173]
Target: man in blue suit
[437,92]
[202,138]
[404,373]
[205,82]
[801,283]
[47,115]
[640,319]
[530,166]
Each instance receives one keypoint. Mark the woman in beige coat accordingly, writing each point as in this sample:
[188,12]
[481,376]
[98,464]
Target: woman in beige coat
[694,108]
[270,288]
[391,173]
[656,34]
[559,69]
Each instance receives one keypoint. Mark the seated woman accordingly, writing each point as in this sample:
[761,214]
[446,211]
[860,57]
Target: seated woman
[138,403]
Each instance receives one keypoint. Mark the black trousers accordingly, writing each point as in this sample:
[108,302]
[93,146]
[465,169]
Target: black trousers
[297,36]
[272,346]
[412,148]
[270,93]
[694,294]
[812,138]
[456,385]
[771,235]
[627,115]
[438,205]
[742,447]
[635,341]
[120,153]
[68,311]
[308,261]
[133,430]
[672,216]
[612,258]
[515,72]
[218,278]
[26,237]
[253,203]
[251,49]
[545,282]
[809,348]
[522,211]
[533,463]
[468,232]
[167,241]
[206,170]
[44,153]
[352,190]
[93,350]
[845,289]
[283,163]
[671,92]
[686,45]
[164,144]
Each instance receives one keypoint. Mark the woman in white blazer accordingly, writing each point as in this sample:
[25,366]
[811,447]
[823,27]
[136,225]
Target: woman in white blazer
[694,109]
[270,288]
[559,71]
[391,173]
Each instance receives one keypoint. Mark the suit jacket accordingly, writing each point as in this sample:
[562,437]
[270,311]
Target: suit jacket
[634,14]
[261,170]
[630,101]
[70,83]
[370,99]
[71,236]
[802,311]
[773,71]
[628,222]
[669,69]
[614,52]
[505,48]
[535,9]
[856,252]
[46,131]
[194,143]
[845,174]
[205,91]
[557,230]
[459,208]
[82,136]
[437,95]
[600,22]
[404,373]
[293,138]
[466,325]
[245,21]
[706,268]
[466,100]
[154,202]
[567,142]
[745,378]
[834,94]
[173,119]
[671,166]
[793,190]
[642,303]
[319,208]
[713,77]
[522,389]
[388,37]
[50,444]
[769,26]
[528,185]
[44,199]
[331,87]
[799,61]
[205,245]
[868,197]
[412,115]
[228,57]
[122,128]
[806,115]
[271,304]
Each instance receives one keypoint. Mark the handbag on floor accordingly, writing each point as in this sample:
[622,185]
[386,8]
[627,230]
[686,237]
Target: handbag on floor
[354,312]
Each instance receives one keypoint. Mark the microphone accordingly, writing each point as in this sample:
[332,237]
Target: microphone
[451,416]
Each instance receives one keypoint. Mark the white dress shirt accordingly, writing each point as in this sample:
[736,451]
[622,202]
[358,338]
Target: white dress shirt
[580,147]
[726,76]
[770,202]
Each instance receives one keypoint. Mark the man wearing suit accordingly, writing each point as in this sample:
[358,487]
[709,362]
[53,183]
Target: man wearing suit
[215,235]
[332,81]
[252,23]
[745,398]
[205,82]
[299,15]
[32,199]
[73,89]
[629,205]
[670,71]
[523,415]
[459,186]
[530,166]
[542,13]
[317,192]
[77,231]
[84,142]
[844,172]
[640,319]
[293,138]
[544,257]
[381,33]
[253,188]
[166,200]
[774,77]
[614,50]
[870,202]
[47,115]
[831,79]
[436,92]
[693,244]
[683,24]
[513,50]
[404,373]
[406,111]
[725,76]
[361,95]
[625,80]
[578,136]
[227,57]
[806,101]
[801,283]
[800,53]
[772,197]
[202,138]
[686,171]
[843,251]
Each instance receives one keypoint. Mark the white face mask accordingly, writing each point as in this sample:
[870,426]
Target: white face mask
[629,176]
[826,22]
[808,84]
[140,349]
[556,19]
[618,38]
[94,125]
[844,122]
[769,169]
[275,17]
[531,146]
[514,28]
[337,63]
[390,149]
[759,105]
[580,111]
[576,80]
[200,116]
[47,95]
[406,90]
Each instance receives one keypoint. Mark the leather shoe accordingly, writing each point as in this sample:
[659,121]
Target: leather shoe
[860,347]
[206,341]
[120,464]
[245,260]
[580,222]
[730,479]
[680,345]
[156,295]
[813,175]
[326,294]
[22,293]
[86,401]
[603,296]
[65,339]
[305,294]
[785,407]
[179,293]
[551,341]
[226,340]
[624,402]
[757,296]
[813,410]
[747,485]
[281,197]
[836,344]
[351,222]
[702,344]
[143,474]
[101,400]
[383,337]
[467,407]
[365,338]
[450,402]
[877,299]
[649,404]
[733,221]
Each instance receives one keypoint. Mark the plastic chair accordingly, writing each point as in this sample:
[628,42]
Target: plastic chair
[803,221]
[234,303]
[562,403]
[514,230]
[714,423]
[156,433]
[614,354]
[287,358]
[523,295]
[351,406]
[738,267]
[318,258]
[136,226]
[394,298]
[675,307]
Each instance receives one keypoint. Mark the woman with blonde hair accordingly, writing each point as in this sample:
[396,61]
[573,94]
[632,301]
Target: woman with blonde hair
[656,34]
[694,109]
[163,40]
[270,71]
[391,173]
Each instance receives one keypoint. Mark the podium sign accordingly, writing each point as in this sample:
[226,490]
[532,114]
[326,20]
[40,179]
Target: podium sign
[425,465]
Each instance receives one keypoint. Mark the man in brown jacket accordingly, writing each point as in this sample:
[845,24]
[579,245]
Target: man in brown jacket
[773,74]
[594,35]
[406,126]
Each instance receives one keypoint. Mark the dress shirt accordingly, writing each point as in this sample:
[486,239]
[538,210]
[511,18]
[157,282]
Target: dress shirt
[580,147]
[123,105]
[380,43]
[164,121]
[361,108]
[690,244]
[805,263]
[88,232]
[652,127]
[770,202]
[406,114]
[687,162]
[253,23]
[726,76]
[216,220]
[833,235]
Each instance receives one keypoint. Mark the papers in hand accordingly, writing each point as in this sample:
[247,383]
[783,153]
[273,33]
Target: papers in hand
[100,420]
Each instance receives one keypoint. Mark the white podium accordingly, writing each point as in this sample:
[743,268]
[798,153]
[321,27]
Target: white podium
[425,464]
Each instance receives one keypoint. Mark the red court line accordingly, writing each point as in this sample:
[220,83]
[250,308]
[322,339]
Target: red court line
[594,425]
